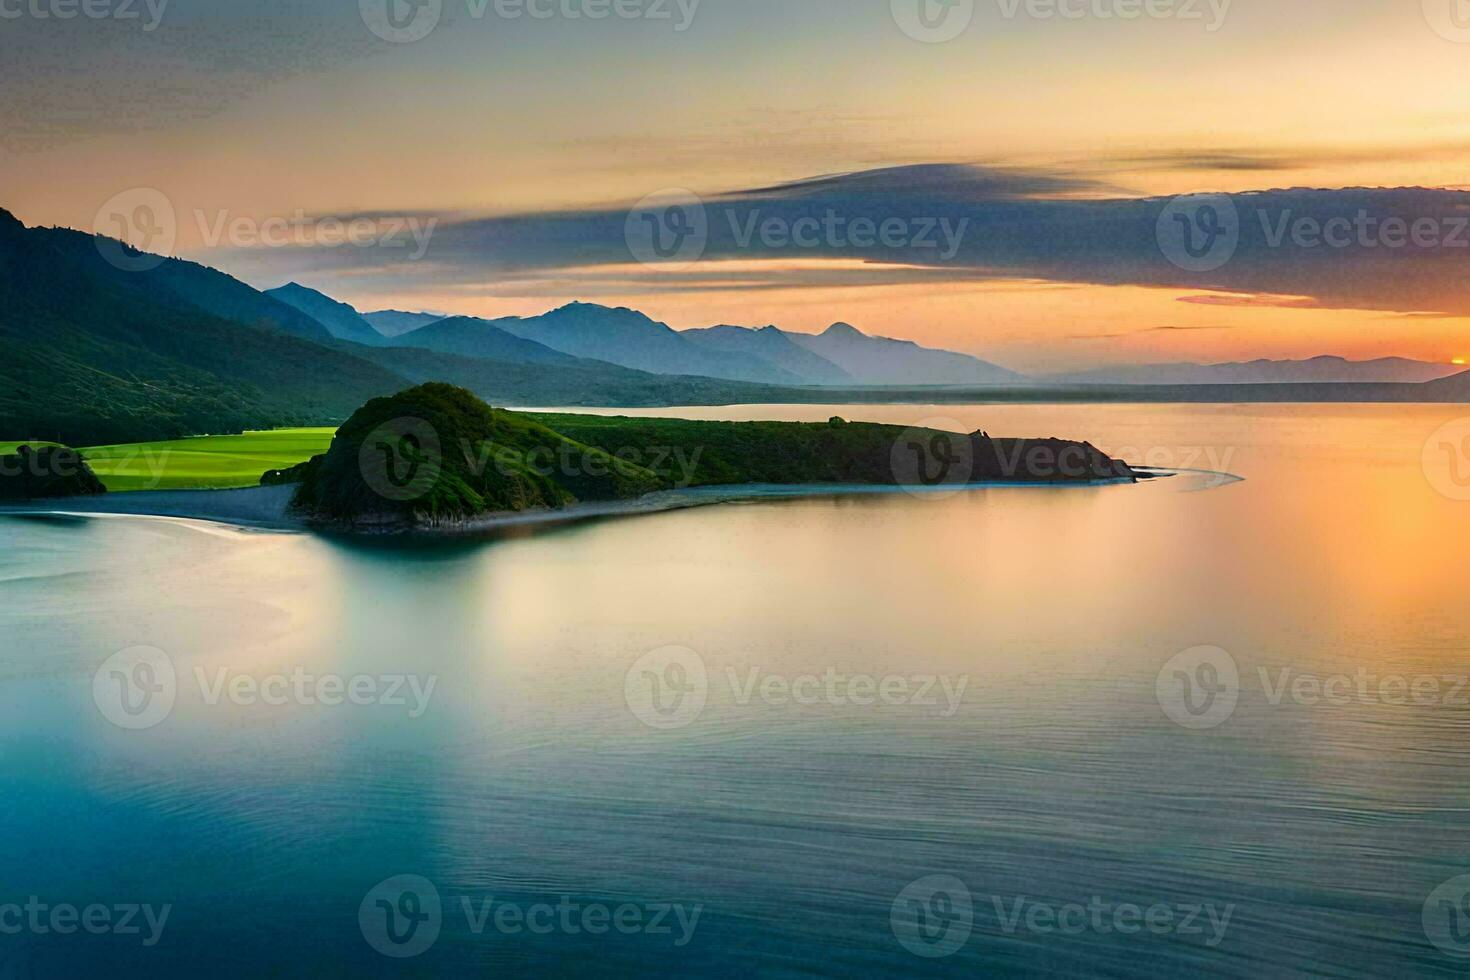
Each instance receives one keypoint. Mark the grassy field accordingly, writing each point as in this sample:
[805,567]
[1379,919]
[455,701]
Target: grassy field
[202,462]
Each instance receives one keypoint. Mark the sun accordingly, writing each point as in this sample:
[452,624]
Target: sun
[1458,362]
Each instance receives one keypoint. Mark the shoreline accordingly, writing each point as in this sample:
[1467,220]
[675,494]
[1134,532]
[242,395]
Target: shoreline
[266,508]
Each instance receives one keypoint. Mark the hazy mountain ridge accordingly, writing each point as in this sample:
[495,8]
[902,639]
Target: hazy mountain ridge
[340,320]
[1322,369]
[631,339]
[393,323]
[883,361]
[473,337]
[775,346]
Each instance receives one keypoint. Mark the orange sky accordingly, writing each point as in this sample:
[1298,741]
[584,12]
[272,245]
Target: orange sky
[492,116]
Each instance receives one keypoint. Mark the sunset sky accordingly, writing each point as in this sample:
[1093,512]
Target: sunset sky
[255,109]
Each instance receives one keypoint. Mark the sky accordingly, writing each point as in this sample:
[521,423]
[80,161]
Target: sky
[508,154]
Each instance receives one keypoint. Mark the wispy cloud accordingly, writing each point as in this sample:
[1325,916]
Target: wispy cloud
[978,224]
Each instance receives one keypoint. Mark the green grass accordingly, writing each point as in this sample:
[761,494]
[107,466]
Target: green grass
[203,462]
[8,448]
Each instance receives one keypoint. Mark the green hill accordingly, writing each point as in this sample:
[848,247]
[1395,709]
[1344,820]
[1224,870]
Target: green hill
[436,456]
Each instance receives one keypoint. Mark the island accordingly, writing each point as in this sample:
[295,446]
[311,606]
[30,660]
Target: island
[436,459]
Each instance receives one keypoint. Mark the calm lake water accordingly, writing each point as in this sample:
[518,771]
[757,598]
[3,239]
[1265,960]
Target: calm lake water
[746,739]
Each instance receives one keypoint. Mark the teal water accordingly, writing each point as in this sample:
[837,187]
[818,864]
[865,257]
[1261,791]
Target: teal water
[563,752]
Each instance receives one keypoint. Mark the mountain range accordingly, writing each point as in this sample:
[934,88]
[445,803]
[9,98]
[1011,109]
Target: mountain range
[842,355]
[1316,370]
[100,343]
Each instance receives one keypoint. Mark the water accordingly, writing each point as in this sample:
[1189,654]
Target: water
[1054,779]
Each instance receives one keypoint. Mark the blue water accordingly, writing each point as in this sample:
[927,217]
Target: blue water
[794,839]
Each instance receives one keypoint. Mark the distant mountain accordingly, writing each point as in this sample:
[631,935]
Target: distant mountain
[630,339]
[392,323]
[1455,388]
[881,361]
[472,337]
[92,354]
[774,346]
[341,320]
[1317,370]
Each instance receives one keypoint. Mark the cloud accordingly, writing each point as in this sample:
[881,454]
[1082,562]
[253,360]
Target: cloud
[964,223]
